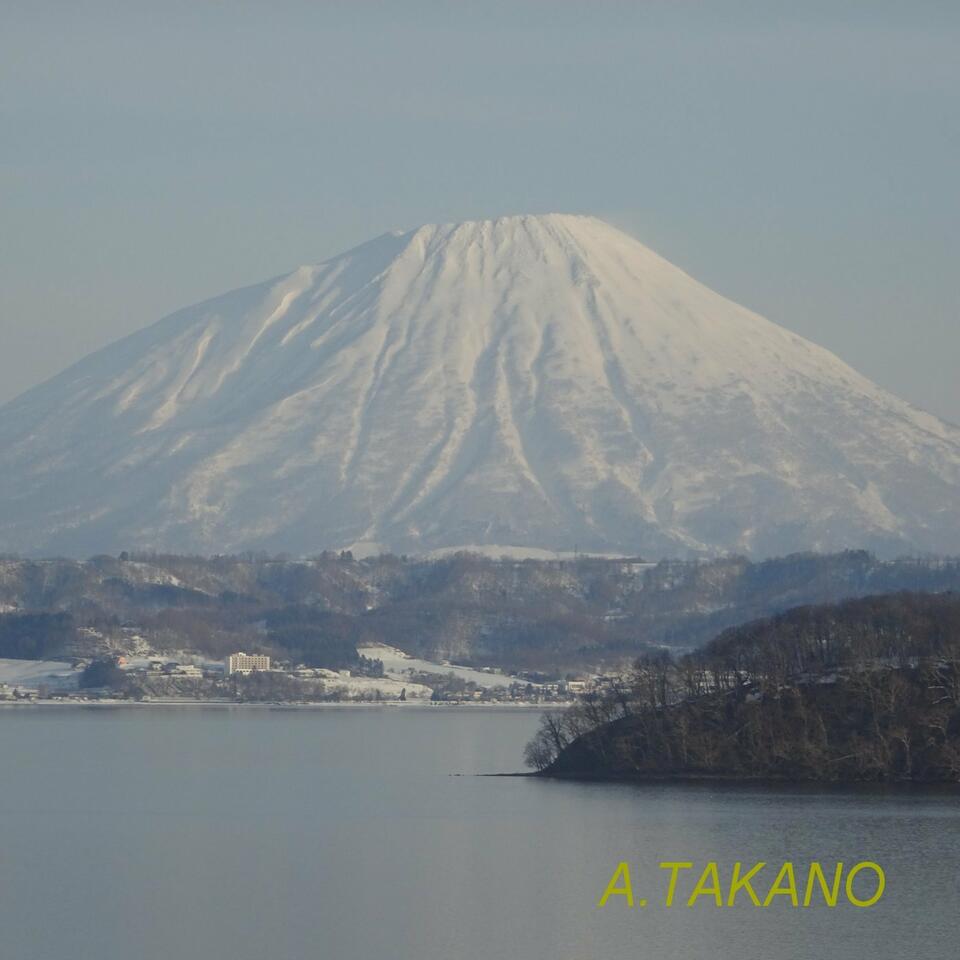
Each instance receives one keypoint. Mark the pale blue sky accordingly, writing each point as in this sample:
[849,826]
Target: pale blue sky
[801,158]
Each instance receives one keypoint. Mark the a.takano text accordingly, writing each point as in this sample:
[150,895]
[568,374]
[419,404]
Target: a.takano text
[680,883]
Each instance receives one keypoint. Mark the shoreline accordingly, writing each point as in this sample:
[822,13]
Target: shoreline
[278,705]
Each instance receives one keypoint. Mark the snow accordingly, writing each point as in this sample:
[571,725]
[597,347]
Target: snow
[399,665]
[499,551]
[359,687]
[541,383]
[177,656]
[31,673]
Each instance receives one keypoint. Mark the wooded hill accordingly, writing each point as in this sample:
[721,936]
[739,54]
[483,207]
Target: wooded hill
[864,690]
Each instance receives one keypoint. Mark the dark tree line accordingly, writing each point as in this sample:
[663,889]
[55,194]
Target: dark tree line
[35,636]
[316,638]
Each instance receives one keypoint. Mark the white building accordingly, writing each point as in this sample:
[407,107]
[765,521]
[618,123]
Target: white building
[246,662]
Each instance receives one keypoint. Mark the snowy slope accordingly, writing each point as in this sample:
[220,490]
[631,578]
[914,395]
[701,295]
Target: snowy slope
[30,674]
[536,381]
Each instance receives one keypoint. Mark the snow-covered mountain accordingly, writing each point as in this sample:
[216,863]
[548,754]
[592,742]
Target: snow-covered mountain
[532,381]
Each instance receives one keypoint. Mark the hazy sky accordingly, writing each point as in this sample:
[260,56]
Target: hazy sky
[801,158]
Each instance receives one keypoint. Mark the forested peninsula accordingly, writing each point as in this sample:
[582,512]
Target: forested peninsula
[863,690]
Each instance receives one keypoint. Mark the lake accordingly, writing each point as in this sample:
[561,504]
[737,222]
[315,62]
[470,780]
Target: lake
[342,833]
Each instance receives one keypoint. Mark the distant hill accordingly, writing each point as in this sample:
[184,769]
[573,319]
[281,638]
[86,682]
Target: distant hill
[865,690]
[587,614]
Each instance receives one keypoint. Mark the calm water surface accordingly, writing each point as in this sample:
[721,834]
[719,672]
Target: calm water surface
[239,833]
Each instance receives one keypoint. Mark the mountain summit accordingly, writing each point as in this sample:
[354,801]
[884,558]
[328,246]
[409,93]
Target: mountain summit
[532,382]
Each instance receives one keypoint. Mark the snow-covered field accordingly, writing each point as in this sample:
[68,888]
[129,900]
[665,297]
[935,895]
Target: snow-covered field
[397,664]
[358,687]
[31,673]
